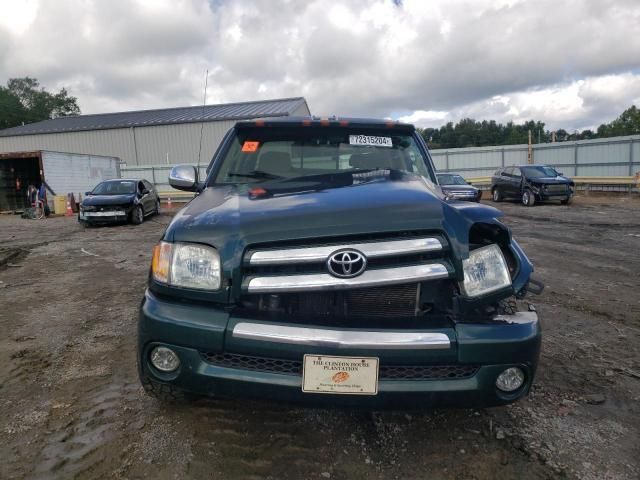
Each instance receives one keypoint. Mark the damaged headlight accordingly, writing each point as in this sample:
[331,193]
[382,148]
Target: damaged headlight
[186,265]
[485,271]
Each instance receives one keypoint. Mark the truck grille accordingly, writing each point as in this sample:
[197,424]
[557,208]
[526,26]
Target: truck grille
[461,193]
[294,367]
[296,279]
[560,188]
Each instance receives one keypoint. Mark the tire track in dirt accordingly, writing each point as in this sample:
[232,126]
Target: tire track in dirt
[78,443]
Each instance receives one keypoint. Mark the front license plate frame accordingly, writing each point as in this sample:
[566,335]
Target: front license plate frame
[331,374]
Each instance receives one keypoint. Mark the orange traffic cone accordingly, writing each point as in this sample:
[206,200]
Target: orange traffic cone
[69,212]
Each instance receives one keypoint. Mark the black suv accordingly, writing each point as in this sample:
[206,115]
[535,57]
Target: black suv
[456,187]
[531,183]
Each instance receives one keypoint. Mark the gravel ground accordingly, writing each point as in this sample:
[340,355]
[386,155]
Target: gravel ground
[71,405]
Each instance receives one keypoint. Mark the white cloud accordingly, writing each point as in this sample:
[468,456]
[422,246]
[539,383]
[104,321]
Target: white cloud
[570,64]
[425,118]
[17,16]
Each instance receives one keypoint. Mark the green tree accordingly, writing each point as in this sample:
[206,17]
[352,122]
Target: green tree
[24,101]
[628,123]
[12,112]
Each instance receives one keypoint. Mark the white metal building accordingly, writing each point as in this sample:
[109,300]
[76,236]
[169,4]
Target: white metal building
[147,137]
[61,173]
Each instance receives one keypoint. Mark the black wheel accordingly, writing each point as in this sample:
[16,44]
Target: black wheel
[161,391]
[566,201]
[157,212]
[528,199]
[137,215]
[496,195]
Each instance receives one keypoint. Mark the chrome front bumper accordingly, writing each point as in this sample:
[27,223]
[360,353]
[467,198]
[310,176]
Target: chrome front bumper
[340,339]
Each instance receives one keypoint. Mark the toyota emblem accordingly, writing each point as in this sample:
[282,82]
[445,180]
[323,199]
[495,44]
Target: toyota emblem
[346,263]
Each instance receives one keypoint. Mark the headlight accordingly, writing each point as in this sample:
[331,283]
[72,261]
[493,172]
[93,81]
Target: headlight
[187,265]
[485,271]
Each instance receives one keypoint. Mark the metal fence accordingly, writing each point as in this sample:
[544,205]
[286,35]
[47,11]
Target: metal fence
[156,174]
[614,158]
[607,157]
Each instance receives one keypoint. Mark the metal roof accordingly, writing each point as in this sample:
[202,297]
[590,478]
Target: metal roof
[353,122]
[166,116]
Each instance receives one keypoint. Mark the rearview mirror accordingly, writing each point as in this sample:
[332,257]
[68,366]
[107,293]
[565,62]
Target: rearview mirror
[184,177]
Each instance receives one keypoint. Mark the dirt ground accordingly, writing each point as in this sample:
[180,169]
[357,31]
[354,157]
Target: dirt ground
[71,405]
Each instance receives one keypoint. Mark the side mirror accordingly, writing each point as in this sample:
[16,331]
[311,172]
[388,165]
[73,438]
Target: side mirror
[86,194]
[145,191]
[184,177]
[560,174]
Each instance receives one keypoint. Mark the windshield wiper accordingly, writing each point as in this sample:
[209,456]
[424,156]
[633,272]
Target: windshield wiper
[255,174]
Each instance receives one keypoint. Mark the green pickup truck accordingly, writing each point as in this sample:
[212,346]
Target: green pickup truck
[321,263]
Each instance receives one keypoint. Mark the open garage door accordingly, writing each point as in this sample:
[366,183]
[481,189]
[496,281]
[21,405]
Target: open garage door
[17,172]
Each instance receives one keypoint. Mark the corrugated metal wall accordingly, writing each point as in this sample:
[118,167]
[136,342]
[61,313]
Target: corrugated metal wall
[134,146]
[616,156]
[66,172]
[113,143]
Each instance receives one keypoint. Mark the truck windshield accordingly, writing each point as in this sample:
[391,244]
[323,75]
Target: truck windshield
[446,179]
[114,188]
[272,154]
[536,172]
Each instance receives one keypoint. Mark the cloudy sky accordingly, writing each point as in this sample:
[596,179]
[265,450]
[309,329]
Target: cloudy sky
[572,64]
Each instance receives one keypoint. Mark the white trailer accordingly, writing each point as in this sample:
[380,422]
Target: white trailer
[62,173]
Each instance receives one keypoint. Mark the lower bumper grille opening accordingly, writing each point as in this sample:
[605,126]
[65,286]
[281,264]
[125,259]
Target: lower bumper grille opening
[294,367]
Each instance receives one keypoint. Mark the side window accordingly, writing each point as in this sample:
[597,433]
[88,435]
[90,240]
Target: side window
[148,185]
[507,172]
[516,173]
[140,187]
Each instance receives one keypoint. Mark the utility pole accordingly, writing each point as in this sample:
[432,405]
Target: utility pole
[530,150]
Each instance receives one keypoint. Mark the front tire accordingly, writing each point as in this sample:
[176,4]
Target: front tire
[528,198]
[161,391]
[496,195]
[137,215]
[566,201]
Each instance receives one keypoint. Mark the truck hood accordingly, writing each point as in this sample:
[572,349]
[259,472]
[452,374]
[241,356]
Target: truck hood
[459,188]
[550,180]
[229,219]
[99,200]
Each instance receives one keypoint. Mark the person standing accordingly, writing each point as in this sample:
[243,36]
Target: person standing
[42,197]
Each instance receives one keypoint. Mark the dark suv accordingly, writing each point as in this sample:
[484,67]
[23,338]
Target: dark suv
[531,183]
[321,263]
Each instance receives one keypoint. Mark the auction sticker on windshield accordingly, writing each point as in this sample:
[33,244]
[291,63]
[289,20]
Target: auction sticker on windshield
[249,146]
[343,375]
[370,141]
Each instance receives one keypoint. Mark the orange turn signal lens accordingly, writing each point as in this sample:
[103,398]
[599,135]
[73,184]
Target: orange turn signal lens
[160,262]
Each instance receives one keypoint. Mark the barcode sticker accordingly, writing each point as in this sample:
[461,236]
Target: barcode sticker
[370,141]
